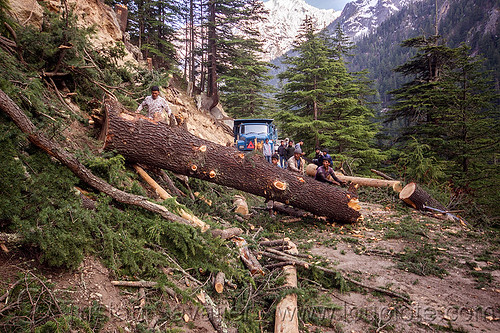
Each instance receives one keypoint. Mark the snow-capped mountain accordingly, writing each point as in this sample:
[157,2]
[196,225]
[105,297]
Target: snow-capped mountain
[361,17]
[283,23]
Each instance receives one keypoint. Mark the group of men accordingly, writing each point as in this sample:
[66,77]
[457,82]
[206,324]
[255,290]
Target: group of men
[288,156]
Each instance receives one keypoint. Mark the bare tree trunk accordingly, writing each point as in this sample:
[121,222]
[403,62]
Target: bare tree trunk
[156,144]
[286,318]
[212,56]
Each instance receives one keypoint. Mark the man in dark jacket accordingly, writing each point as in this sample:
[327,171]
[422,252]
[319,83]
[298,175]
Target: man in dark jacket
[282,154]
[325,156]
[324,171]
[318,157]
[290,150]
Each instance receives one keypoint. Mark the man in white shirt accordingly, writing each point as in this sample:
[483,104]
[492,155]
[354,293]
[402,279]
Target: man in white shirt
[156,105]
[267,150]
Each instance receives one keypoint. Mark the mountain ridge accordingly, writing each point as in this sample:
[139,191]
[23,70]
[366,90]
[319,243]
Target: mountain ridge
[282,24]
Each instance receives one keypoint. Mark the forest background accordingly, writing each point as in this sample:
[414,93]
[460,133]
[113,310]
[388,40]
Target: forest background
[439,128]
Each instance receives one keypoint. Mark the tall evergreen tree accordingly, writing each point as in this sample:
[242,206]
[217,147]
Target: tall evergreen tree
[244,86]
[233,62]
[151,27]
[450,105]
[323,103]
[471,120]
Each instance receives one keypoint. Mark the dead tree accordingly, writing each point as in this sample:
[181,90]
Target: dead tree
[156,144]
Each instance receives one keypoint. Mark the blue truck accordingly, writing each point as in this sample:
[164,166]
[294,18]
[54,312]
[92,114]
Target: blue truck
[251,133]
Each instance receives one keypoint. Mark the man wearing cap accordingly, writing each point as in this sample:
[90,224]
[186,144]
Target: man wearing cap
[299,144]
[318,157]
[296,162]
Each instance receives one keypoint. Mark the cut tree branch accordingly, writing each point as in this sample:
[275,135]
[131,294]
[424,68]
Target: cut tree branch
[276,255]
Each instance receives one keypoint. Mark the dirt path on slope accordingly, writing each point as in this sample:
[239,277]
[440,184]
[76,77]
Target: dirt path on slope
[371,253]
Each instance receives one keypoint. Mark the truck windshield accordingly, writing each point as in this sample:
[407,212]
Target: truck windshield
[254,128]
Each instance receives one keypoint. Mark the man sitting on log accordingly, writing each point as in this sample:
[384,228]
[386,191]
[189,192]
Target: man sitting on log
[156,105]
[324,171]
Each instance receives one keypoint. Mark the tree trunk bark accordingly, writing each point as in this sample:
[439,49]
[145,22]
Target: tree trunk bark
[248,257]
[53,149]
[372,182]
[219,282]
[156,144]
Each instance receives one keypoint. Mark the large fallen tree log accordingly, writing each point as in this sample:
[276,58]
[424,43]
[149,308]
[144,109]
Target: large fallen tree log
[156,144]
[415,196]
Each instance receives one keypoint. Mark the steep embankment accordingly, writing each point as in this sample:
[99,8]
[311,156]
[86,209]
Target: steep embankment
[94,13]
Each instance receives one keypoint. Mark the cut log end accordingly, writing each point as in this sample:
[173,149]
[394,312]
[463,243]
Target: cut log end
[279,185]
[417,198]
[407,191]
[354,204]
[219,282]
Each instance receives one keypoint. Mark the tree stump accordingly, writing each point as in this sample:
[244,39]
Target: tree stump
[417,198]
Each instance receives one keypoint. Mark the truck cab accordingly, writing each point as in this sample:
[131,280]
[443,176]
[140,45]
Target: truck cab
[251,133]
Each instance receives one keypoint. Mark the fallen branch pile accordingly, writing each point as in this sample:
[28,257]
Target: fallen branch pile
[285,256]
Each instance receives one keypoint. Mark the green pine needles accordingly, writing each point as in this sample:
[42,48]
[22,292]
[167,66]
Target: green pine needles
[324,104]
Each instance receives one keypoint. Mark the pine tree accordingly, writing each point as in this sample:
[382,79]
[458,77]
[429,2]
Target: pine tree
[471,121]
[233,49]
[151,27]
[450,105]
[323,103]
[244,86]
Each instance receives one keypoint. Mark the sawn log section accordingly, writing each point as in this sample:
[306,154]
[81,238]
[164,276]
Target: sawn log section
[157,144]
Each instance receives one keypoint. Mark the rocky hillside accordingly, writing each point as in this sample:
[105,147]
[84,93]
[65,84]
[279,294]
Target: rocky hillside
[95,13]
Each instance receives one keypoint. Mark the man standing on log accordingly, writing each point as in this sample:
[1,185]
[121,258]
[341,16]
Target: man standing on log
[324,171]
[156,105]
